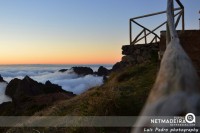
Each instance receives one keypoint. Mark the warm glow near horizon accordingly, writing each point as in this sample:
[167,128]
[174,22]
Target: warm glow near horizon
[73,31]
[53,54]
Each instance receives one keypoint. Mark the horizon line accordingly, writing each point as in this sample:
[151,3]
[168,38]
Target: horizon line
[60,64]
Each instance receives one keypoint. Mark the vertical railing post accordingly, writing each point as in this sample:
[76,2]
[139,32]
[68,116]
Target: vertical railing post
[183,14]
[130,31]
[145,34]
[199,20]
[199,24]
[183,19]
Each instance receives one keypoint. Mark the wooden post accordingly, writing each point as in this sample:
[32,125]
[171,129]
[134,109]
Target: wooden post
[199,24]
[199,21]
[183,20]
[130,31]
[183,15]
[145,34]
[168,33]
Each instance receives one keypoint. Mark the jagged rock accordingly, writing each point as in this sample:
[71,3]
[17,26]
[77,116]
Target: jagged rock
[52,88]
[63,70]
[19,90]
[1,79]
[82,70]
[102,71]
[29,96]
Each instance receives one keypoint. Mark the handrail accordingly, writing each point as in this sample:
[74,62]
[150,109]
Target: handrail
[138,38]
[153,14]
[180,4]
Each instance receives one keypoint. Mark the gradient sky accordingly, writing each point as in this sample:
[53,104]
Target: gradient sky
[74,31]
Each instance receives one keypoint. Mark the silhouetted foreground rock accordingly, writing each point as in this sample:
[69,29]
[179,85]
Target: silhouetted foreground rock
[82,70]
[30,96]
[102,71]
[18,89]
[6,108]
[1,79]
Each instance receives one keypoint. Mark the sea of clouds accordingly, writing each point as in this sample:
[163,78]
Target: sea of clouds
[41,73]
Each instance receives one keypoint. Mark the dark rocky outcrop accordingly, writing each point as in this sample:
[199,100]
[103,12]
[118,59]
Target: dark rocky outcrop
[82,70]
[29,96]
[102,71]
[119,65]
[63,70]
[53,88]
[1,79]
[6,108]
[19,90]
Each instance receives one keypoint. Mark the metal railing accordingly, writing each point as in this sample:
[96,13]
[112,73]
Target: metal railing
[146,32]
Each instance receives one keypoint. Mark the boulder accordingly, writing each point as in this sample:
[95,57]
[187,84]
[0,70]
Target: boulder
[82,70]
[102,71]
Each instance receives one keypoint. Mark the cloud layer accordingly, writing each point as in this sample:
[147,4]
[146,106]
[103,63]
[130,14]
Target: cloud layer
[68,80]
[71,81]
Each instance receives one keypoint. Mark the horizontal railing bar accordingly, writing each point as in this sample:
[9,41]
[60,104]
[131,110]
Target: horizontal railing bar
[153,14]
[165,22]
